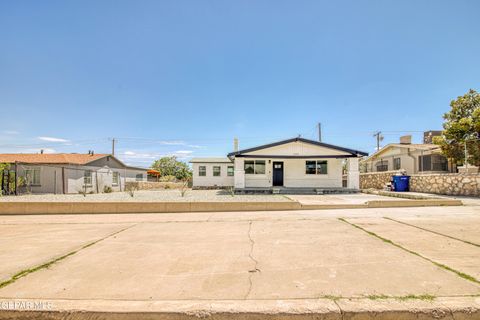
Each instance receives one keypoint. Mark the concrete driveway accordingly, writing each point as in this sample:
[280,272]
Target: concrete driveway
[370,255]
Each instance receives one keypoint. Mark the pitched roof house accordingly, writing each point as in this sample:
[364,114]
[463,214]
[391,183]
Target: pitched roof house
[291,163]
[408,156]
[69,172]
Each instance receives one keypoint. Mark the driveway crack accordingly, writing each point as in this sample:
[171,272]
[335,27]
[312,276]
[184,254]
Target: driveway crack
[255,261]
[49,263]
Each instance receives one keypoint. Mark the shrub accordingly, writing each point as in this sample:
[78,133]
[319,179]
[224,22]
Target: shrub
[107,189]
[130,189]
[168,179]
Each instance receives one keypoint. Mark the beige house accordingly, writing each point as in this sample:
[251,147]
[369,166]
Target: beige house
[413,158]
[292,163]
[62,173]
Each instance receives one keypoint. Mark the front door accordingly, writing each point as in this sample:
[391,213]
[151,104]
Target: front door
[277,174]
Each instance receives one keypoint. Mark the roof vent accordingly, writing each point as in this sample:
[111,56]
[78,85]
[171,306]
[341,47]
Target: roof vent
[406,139]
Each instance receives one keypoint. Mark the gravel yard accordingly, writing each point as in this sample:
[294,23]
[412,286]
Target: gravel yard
[148,196]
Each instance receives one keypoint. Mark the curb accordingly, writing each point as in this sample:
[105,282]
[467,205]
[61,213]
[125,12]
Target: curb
[32,208]
[361,309]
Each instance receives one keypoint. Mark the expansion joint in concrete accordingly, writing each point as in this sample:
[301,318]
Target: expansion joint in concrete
[49,263]
[438,264]
[432,231]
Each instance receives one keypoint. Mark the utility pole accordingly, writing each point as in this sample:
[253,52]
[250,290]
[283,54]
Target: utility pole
[113,146]
[319,132]
[379,136]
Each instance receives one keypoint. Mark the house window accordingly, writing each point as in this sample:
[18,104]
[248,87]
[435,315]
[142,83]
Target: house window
[254,167]
[432,162]
[322,167]
[32,176]
[382,166]
[316,167]
[202,171]
[310,167]
[259,166]
[230,171]
[87,178]
[139,177]
[216,171]
[397,164]
[115,178]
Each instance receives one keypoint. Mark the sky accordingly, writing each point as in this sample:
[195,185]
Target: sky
[184,77]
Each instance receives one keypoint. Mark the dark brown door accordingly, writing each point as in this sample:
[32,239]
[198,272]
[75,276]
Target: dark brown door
[277,174]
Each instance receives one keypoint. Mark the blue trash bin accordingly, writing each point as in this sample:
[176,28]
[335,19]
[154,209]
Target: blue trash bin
[401,183]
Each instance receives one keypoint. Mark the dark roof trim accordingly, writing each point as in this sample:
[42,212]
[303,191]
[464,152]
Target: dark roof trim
[355,153]
[296,157]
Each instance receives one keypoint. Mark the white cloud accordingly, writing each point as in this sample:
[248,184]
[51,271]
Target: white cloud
[172,143]
[52,139]
[183,152]
[11,132]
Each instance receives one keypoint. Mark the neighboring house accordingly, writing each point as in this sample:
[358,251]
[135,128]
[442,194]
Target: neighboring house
[292,163]
[71,172]
[413,158]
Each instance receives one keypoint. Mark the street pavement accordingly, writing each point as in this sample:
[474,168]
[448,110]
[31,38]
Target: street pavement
[369,255]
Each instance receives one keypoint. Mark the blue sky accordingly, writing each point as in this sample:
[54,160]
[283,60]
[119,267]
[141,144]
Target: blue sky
[186,77]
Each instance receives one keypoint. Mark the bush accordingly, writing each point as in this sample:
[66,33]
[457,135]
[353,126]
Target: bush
[168,179]
[107,189]
[131,188]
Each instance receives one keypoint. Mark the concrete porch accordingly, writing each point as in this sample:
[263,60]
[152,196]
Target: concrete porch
[290,190]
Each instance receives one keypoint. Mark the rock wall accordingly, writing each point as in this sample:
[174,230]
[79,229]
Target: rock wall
[456,184]
[150,185]
[377,180]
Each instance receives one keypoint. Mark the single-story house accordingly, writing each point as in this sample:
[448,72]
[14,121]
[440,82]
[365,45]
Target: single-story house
[69,172]
[291,163]
[413,158]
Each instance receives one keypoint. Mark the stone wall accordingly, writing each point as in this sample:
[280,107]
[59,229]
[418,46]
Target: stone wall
[377,180]
[150,185]
[457,184]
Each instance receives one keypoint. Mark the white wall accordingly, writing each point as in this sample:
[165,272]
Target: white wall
[298,148]
[294,174]
[209,180]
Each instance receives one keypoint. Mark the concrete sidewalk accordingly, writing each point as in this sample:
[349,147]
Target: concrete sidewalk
[249,265]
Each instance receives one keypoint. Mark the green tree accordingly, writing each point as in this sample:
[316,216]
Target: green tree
[462,120]
[170,166]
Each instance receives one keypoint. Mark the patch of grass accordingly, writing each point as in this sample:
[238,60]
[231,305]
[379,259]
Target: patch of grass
[378,297]
[331,297]
[423,297]
[445,267]
[46,265]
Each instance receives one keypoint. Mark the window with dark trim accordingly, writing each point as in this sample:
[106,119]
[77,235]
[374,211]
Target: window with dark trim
[254,167]
[397,164]
[316,167]
[230,171]
[382,166]
[202,171]
[432,162]
[216,171]
[139,177]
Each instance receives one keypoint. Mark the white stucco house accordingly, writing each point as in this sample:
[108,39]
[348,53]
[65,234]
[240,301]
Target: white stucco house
[63,173]
[291,163]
